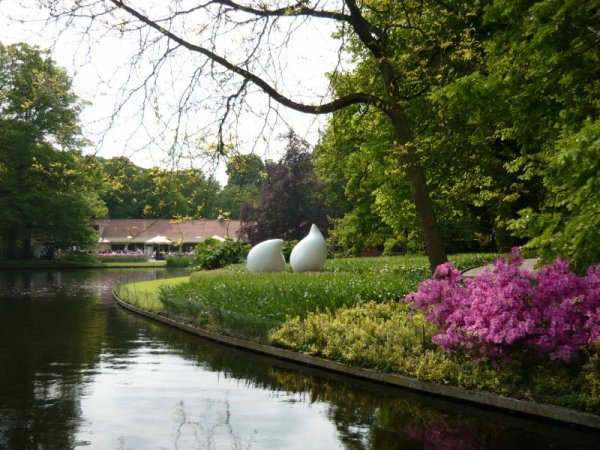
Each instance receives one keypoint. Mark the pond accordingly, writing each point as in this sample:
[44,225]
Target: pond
[76,371]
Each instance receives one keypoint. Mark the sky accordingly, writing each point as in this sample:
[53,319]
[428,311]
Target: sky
[100,65]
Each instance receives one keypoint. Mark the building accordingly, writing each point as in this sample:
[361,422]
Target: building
[148,235]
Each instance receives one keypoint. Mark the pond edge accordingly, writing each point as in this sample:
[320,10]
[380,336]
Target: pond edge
[540,410]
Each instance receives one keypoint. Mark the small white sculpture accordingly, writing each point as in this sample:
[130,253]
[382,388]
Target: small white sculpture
[310,253]
[266,256]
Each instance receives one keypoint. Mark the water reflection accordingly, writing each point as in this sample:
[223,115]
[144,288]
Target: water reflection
[77,372]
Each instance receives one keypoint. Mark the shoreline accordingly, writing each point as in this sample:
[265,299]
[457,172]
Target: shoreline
[41,264]
[539,410]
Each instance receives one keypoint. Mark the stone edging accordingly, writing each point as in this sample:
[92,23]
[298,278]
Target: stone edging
[542,410]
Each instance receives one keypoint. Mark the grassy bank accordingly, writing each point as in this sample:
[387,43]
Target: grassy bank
[252,305]
[351,313]
[145,294]
[57,264]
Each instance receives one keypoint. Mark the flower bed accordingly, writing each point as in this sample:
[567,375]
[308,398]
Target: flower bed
[507,309]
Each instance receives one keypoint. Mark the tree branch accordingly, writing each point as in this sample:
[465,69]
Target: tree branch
[335,105]
[299,9]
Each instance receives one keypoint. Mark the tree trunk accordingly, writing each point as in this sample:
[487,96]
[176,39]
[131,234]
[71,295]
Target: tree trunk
[434,244]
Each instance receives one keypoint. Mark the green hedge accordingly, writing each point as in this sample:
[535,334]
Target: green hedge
[179,261]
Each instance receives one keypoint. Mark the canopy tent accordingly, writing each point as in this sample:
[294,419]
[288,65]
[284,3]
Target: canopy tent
[159,240]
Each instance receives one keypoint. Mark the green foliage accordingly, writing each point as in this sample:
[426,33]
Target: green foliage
[287,248]
[415,267]
[79,257]
[386,337]
[290,198]
[377,335]
[359,150]
[245,170]
[48,190]
[131,191]
[214,254]
[179,261]
[252,304]
[145,294]
[232,198]
[497,92]
[122,259]
[568,224]
[543,56]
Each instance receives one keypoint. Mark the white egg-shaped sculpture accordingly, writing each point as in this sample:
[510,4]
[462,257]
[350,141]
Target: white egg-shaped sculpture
[266,257]
[310,253]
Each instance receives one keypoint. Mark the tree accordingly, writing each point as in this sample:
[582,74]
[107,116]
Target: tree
[47,189]
[289,200]
[537,92]
[245,172]
[504,122]
[372,29]
[125,188]
[134,192]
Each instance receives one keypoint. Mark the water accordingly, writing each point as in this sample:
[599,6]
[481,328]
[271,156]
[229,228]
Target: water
[76,371]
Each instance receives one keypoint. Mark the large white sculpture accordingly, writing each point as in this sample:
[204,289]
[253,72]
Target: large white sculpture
[310,253]
[266,257]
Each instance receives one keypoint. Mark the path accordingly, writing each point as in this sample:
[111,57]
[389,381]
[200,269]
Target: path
[528,264]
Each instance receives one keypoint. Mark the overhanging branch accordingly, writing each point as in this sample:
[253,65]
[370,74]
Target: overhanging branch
[335,105]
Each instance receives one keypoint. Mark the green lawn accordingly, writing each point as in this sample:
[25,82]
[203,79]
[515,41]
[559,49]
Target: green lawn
[235,302]
[145,294]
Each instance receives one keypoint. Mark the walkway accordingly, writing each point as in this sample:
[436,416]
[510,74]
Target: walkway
[528,264]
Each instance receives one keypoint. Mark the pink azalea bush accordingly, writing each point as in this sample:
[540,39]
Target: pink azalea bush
[553,312]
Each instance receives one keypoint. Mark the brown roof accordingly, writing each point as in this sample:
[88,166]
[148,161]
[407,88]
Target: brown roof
[141,230]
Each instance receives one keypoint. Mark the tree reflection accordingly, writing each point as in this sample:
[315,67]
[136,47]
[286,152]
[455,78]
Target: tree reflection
[368,416]
[52,332]
[51,344]
[48,343]
[205,430]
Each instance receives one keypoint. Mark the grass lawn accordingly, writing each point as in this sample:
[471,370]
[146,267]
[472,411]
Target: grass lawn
[238,303]
[145,294]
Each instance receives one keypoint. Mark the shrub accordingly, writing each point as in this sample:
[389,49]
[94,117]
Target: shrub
[288,246]
[78,257]
[179,261]
[122,258]
[507,309]
[214,254]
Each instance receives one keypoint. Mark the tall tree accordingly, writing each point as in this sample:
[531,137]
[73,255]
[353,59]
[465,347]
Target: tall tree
[245,170]
[135,192]
[369,28]
[46,190]
[290,200]
[245,176]
[545,56]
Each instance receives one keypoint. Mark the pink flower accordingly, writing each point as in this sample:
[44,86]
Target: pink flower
[553,312]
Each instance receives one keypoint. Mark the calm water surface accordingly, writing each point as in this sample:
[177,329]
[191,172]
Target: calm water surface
[78,372]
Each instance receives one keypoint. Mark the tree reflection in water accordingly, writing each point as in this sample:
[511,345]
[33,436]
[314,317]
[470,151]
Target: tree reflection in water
[60,335]
[202,431]
[368,416]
